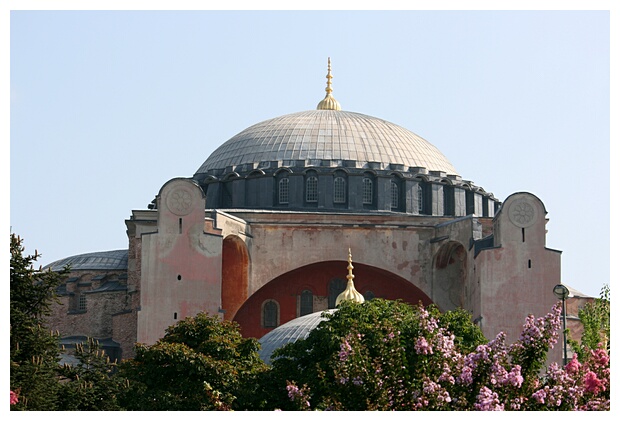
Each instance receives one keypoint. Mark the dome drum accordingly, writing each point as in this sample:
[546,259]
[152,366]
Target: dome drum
[350,189]
[315,163]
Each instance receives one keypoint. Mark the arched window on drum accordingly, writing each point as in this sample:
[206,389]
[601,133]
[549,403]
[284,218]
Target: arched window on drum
[312,188]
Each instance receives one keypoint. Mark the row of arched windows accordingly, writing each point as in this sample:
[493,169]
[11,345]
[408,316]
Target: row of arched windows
[340,192]
[271,308]
[370,199]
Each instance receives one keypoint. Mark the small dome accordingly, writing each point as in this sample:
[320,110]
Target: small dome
[291,331]
[100,260]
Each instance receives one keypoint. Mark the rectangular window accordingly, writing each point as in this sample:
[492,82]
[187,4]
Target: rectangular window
[394,195]
[312,189]
[367,192]
[82,303]
[420,199]
[283,191]
[339,190]
[306,303]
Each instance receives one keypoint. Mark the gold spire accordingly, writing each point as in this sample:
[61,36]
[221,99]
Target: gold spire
[329,102]
[350,293]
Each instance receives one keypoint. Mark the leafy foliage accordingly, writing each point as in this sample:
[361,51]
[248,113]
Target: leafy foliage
[390,356]
[34,349]
[201,363]
[90,385]
[595,317]
[379,355]
[381,328]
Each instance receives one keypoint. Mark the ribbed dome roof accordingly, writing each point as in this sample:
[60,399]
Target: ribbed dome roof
[290,331]
[328,135]
[99,260]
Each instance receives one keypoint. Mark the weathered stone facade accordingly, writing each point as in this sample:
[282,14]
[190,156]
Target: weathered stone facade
[260,234]
[92,304]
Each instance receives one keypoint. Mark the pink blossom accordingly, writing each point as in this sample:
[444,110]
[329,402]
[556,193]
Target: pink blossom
[600,356]
[422,346]
[539,396]
[514,377]
[573,366]
[487,400]
[345,350]
[593,384]
[14,398]
[466,376]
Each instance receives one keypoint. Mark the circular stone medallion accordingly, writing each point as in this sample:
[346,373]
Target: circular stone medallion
[180,201]
[522,213]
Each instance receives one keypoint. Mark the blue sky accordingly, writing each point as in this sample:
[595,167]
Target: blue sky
[106,106]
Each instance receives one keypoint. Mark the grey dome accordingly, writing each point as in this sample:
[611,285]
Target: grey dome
[291,331]
[327,135]
[100,260]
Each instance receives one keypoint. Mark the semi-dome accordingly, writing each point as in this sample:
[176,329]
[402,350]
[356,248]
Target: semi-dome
[332,135]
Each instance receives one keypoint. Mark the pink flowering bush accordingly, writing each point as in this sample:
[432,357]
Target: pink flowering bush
[298,396]
[14,398]
[414,361]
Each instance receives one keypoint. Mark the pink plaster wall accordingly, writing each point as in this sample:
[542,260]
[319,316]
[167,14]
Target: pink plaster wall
[517,277]
[181,265]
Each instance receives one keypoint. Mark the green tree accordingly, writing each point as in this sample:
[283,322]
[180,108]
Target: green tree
[595,317]
[91,384]
[381,328]
[34,349]
[201,363]
[390,356]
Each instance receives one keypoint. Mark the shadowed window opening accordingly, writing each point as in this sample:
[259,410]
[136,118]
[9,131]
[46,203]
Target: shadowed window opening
[312,189]
[339,190]
[306,302]
[283,191]
[270,314]
[367,191]
[394,198]
[336,286]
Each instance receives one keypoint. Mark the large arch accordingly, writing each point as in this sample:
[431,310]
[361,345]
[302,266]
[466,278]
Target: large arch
[286,289]
[449,273]
[235,269]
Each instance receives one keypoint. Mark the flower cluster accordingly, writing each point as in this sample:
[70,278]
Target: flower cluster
[14,398]
[429,372]
[298,396]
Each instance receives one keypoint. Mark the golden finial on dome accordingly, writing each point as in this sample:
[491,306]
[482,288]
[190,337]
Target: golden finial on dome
[350,293]
[329,102]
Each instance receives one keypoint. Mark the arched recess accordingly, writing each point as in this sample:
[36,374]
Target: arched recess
[286,290]
[449,273]
[235,268]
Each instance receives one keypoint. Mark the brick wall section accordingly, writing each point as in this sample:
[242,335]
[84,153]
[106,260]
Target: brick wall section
[96,320]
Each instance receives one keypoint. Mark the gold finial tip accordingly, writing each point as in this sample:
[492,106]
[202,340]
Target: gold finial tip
[350,293]
[329,102]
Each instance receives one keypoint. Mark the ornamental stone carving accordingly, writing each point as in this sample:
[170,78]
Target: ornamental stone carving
[180,201]
[522,213]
